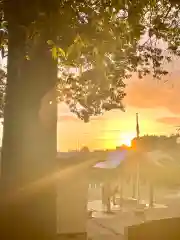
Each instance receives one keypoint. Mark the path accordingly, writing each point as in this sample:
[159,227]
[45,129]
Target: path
[103,226]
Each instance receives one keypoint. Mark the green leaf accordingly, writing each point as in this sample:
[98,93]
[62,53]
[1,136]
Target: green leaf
[4,24]
[54,53]
[61,52]
[50,42]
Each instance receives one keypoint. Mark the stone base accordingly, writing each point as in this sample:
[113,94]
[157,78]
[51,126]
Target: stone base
[165,229]
[72,236]
[72,198]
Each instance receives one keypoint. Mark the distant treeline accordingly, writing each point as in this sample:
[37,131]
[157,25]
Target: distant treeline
[154,142]
[145,143]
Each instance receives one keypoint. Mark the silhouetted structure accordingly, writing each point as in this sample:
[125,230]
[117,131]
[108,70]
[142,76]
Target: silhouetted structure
[163,229]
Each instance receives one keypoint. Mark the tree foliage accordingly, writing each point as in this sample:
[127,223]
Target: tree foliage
[153,142]
[101,43]
[85,149]
[127,37]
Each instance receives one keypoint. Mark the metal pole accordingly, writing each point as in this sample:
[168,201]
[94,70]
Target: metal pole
[138,164]
[133,180]
[137,184]
[121,193]
[151,195]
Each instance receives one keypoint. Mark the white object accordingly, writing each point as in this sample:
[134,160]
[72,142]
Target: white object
[178,140]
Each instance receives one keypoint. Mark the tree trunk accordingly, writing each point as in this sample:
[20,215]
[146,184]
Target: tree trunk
[28,200]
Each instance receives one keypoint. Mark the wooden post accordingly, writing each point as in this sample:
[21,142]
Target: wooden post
[133,187]
[151,195]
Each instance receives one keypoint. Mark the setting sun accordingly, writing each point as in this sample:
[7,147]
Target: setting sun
[126,142]
[126,138]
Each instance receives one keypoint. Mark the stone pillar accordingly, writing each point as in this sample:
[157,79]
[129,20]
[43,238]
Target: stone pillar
[72,205]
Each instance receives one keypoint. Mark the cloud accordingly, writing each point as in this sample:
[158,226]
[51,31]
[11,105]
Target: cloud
[150,93]
[98,118]
[169,120]
[73,118]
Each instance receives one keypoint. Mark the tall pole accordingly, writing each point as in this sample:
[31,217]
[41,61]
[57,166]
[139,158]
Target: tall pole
[137,126]
[138,165]
[151,195]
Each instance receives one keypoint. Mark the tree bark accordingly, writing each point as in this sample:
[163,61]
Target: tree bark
[28,195]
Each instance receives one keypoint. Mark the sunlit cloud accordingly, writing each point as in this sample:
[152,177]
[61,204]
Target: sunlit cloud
[149,93]
[157,103]
[68,118]
[169,120]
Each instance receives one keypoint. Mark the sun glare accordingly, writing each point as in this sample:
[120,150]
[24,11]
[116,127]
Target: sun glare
[126,138]
[126,142]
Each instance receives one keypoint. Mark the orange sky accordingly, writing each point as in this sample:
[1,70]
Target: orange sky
[157,103]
